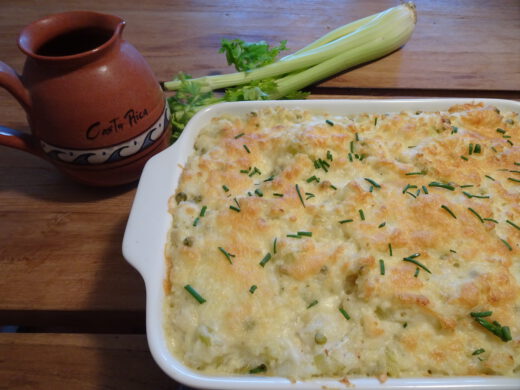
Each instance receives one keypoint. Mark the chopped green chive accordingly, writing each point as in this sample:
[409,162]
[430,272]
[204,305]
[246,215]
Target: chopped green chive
[316,164]
[464,158]
[351,146]
[225,188]
[357,136]
[467,186]
[489,177]
[390,249]
[350,157]
[293,236]
[333,187]
[264,261]
[245,170]
[501,131]
[372,182]
[408,186]
[512,224]
[239,135]
[277,194]
[507,244]
[494,150]
[259,369]
[246,148]
[255,171]
[329,122]
[454,129]
[274,245]
[415,173]
[409,193]
[381,266]
[329,155]
[345,314]
[382,225]
[476,214]
[375,121]
[270,178]
[481,313]
[453,251]
[478,351]
[514,180]
[416,274]
[307,234]
[425,190]
[510,142]
[517,163]
[514,171]
[196,221]
[371,189]
[346,221]
[313,303]
[323,164]
[475,196]
[253,288]
[470,149]
[313,178]
[449,211]
[300,195]
[441,185]
[477,149]
[203,211]
[411,259]
[227,254]
[194,294]
[361,214]
[405,325]
[503,332]
[259,193]
[236,202]
[490,220]
[234,208]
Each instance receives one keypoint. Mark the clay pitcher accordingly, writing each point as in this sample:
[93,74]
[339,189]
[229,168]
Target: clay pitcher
[94,106]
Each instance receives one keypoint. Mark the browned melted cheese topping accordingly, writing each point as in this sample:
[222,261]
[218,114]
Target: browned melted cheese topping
[408,222]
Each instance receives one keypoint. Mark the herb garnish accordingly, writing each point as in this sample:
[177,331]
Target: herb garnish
[313,178]
[449,211]
[381,266]
[512,179]
[503,332]
[464,158]
[425,190]
[476,214]
[441,185]
[259,193]
[329,155]
[203,211]
[408,186]
[234,208]
[361,214]
[507,244]
[390,249]
[415,173]
[253,288]
[345,314]
[277,194]
[246,148]
[346,221]
[329,122]
[194,294]
[274,245]
[264,261]
[299,194]
[227,254]
[225,188]
[196,221]
[313,303]
[411,259]
[239,135]
[478,351]
[489,177]
[476,196]
[512,224]
[382,225]
[372,182]
[261,368]
[307,234]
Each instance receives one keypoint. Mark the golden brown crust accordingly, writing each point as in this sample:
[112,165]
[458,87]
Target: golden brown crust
[311,209]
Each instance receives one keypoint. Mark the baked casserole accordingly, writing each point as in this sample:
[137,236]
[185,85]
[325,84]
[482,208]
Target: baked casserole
[308,245]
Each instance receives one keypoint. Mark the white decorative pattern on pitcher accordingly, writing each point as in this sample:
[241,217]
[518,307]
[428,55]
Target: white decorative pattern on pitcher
[112,153]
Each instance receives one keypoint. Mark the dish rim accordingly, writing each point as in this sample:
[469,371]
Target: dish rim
[149,221]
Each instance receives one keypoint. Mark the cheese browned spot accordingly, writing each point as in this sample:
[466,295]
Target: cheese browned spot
[390,179]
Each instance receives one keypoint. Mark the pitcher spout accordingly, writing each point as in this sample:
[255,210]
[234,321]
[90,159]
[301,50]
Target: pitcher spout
[70,35]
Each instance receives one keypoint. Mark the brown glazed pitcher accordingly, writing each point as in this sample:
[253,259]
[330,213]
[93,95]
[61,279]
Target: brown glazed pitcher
[94,106]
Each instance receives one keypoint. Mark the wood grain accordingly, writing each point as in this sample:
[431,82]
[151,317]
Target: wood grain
[79,361]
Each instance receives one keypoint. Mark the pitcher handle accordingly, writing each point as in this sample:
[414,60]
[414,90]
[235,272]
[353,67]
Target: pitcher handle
[11,82]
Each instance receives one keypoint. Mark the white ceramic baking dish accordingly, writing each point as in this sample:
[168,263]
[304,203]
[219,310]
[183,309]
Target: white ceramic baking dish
[149,221]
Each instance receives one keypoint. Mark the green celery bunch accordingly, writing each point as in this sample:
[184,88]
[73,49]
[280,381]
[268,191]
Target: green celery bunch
[260,76]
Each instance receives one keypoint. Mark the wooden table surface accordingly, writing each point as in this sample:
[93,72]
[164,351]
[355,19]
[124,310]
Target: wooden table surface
[76,305]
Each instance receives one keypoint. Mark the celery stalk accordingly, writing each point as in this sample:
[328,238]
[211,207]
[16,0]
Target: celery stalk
[398,21]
